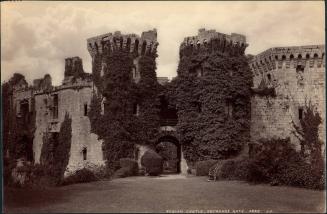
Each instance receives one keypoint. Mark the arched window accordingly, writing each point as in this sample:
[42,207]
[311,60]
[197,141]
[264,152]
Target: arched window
[292,57]
[315,56]
[299,56]
[307,56]
[283,57]
[84,151]
[276,57]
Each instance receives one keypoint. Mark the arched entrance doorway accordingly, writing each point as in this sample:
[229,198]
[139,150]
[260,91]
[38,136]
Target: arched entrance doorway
[169,148]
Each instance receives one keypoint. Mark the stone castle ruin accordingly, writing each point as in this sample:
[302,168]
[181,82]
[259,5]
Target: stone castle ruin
[284,79]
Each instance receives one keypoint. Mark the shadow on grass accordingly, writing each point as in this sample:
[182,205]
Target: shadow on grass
[16,197]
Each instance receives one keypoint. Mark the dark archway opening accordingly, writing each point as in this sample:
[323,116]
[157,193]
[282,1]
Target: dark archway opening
[168,114]
[169,149]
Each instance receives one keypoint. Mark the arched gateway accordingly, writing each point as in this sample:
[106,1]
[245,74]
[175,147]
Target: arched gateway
[169,148]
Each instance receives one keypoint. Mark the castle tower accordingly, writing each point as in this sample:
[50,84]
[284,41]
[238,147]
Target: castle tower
[104,47]
[297,76]
[213,94]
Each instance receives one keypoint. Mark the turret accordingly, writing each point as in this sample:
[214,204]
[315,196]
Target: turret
[132,43]
[233,44]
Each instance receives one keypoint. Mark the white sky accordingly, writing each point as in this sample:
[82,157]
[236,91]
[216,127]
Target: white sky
[37,36]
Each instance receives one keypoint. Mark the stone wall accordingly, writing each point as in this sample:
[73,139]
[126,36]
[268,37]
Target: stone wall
[73,99]
[298,76]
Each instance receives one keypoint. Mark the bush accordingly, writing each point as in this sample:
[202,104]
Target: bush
[32,176]
[129,167]
[8,165]
[278,163]
[232,169]
[129,163]
[202,167]
[80,176]
[152,162]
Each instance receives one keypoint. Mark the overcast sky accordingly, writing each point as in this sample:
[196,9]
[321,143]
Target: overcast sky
[36,37]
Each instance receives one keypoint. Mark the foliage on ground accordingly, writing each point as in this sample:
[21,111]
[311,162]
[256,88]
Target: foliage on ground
[129,167]
[202,167]
[80,176]
[152,162]
[273,161]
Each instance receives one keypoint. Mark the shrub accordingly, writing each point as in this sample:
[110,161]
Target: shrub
[202,167]
[152,162]
[80,176]
[122,173]
[277,162]
[232,169]
[129,167]
[33,176]
[129,163]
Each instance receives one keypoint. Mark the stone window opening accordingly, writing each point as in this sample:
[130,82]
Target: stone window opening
[136,109]
[307,56]
[128,44]
[299,56]
[300,113]
[136,46]
[292,57]
[143,48]
[197,71]
[315,56]
[24,110]
[283,57]
[55,106]
[197,106]
[84,152]
[269,77]
[85,109]
[229,108]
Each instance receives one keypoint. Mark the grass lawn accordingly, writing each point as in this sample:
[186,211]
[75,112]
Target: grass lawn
[167,193]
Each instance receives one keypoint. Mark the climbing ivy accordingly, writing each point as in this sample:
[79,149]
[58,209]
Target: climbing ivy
[56,150]
[213,108]
[17,132]
[119,126]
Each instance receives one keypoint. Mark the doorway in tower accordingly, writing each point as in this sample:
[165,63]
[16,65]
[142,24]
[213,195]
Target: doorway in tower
[170,151]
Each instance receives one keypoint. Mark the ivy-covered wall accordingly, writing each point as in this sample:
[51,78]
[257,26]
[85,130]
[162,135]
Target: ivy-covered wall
[130,114]
[18,129]
[56,148]
[212,96]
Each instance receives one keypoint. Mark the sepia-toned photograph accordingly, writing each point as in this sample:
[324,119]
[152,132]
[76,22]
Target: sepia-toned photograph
[163,107]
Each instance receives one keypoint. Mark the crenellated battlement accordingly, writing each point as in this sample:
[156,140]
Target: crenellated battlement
[288,57]
[110,42]
[224,42]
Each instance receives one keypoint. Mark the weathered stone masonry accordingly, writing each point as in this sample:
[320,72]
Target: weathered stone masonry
[298,76]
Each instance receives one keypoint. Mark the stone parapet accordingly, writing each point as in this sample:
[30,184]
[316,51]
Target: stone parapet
[288,57]
[110,42]
[225,41]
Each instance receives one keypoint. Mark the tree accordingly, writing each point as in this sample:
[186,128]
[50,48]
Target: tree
[308,135]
